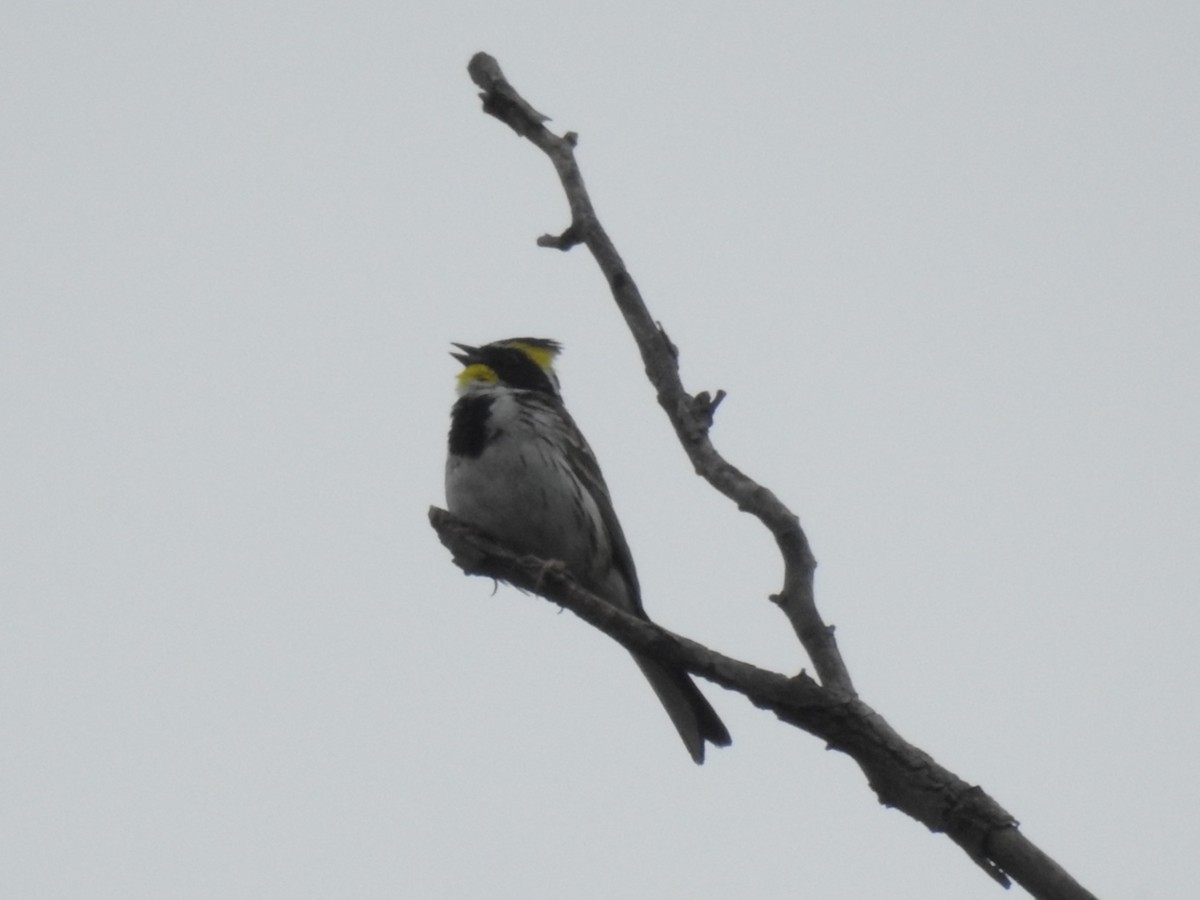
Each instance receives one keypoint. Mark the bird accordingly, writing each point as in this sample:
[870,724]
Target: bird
[520,470]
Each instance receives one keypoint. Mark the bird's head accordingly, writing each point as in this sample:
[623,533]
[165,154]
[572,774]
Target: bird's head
[521,363]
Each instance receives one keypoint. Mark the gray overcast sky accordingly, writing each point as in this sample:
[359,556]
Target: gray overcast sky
[943,257]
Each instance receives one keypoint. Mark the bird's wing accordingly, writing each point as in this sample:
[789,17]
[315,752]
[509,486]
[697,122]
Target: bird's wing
[584,463]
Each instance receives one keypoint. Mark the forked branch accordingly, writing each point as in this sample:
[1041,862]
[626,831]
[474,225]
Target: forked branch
[690,416]
[901,775]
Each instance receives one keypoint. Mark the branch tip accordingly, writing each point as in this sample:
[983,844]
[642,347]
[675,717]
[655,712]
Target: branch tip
[704,407]
[500,99]
[565,241]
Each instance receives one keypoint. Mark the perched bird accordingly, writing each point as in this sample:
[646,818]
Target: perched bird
[520,470]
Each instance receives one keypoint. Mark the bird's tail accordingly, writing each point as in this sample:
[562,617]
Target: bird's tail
[693,717]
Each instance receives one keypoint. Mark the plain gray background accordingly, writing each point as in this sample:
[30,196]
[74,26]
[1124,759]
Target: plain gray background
[944,259]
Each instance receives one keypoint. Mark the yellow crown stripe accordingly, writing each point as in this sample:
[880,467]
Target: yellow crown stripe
[543,356]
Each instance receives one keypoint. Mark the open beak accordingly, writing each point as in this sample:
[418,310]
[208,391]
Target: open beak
[468,353]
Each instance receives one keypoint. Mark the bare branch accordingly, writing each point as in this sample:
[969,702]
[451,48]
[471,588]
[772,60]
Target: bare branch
[901,775]
[691,417]
[476,553]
